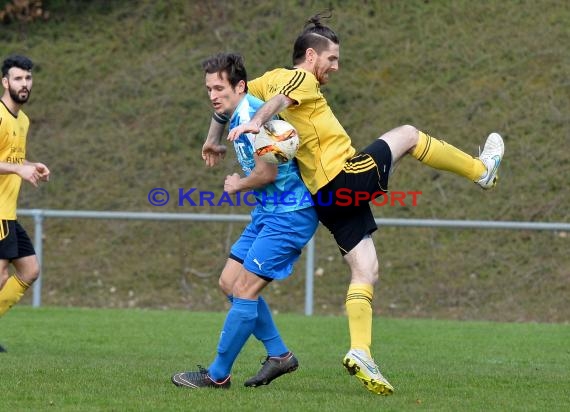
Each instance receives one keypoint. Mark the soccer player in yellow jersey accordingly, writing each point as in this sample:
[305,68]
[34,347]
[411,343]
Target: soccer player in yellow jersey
[328,162]
[15,245]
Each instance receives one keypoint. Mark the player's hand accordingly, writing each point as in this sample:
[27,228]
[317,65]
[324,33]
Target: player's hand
[249,127]
[43,171]
[213,153]
[29,173]
[231,185]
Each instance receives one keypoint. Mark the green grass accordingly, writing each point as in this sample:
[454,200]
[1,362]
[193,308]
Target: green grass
[63,359]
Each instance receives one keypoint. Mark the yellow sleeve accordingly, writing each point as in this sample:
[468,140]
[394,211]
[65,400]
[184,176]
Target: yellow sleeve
[297,84]
[255,88]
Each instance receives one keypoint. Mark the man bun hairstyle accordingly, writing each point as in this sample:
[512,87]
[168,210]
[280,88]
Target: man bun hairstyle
[315,36]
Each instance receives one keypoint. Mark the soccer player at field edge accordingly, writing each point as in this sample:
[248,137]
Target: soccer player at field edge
[269,245]
[15,246]
[329,162]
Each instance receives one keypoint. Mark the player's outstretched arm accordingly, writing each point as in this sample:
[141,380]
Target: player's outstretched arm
[275,105]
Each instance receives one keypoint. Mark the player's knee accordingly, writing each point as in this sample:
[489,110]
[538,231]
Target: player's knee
[225,286]
[373,278]
[369,277]
[245,290]
[409,134]
[372,270]
[240,290]
[30,273]
[401,140]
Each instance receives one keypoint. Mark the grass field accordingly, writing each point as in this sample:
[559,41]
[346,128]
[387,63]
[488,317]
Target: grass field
[63,359]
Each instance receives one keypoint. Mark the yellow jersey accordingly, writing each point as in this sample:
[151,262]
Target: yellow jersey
[13,132]
[324,144]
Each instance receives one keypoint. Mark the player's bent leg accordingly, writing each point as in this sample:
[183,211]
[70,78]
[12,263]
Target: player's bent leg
[401,140]
[239,325]
[272,257]
[441,155]
[249,286]
[237,328]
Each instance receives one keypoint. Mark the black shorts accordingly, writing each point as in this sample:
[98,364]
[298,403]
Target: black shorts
[14,241]
[343,204]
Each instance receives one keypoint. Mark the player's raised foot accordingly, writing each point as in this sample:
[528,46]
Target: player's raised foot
[491,157]
[199,379]
[273,367]
[363,367]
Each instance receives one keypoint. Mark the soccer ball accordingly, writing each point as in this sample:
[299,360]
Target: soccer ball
[277,142]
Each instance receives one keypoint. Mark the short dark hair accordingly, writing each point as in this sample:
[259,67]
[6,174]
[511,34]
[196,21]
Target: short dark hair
[315,36]
[230,63]
[21,62]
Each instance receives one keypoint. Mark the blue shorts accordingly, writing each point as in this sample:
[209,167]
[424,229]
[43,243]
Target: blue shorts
[271,244]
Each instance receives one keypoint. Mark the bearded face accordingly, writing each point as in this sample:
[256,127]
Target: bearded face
[18,84]
[19,94]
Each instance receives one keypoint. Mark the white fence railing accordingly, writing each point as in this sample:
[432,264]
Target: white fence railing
[40,214]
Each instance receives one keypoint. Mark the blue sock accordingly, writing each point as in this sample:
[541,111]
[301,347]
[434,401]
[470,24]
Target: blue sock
[266,331]
[239,324]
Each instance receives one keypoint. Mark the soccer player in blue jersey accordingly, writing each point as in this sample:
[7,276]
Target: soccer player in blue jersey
[268,247]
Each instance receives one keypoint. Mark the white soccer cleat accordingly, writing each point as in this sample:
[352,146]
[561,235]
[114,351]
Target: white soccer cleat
[361,365]
[491,157]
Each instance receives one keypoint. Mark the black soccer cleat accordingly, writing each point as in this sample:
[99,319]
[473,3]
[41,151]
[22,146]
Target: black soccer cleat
[2,349]
[273,367]
[200,379]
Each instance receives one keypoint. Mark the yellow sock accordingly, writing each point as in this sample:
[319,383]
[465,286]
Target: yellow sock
[11,293]
[359,311]
[441,155]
